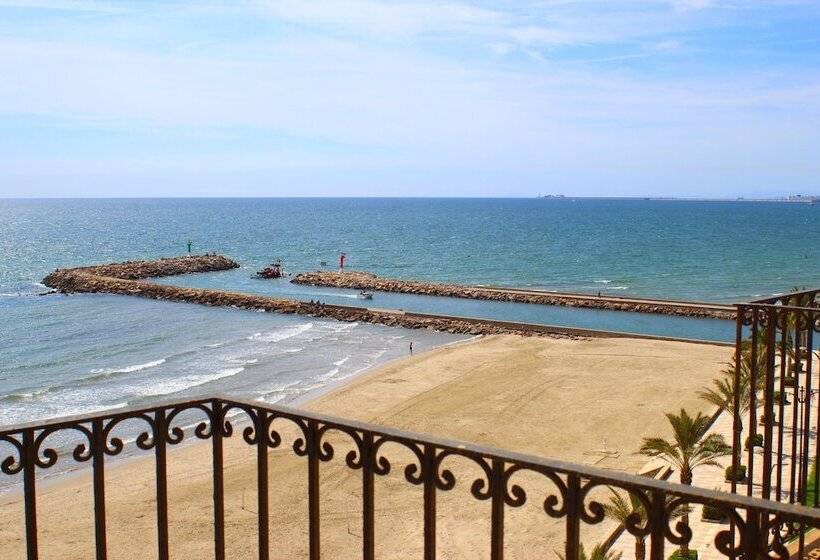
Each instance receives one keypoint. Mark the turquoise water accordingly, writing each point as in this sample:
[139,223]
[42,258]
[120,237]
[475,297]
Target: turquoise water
[70,354]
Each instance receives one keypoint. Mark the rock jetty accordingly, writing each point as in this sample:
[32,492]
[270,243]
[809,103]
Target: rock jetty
[367,281]
[128,278]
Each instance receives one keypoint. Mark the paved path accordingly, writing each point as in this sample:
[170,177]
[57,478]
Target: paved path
[704,532]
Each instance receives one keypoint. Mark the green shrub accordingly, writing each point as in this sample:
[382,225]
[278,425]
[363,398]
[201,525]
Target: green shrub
[740,475]
[810,489]
[713,513]
[758,440]
[678,555]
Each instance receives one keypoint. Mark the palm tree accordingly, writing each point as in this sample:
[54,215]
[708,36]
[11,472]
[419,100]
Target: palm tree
[690,448]
[620,509]
[598,553]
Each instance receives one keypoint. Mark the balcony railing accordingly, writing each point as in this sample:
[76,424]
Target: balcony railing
[570,497]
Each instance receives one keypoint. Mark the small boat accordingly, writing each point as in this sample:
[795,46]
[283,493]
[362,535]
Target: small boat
[273,270]
[365,295]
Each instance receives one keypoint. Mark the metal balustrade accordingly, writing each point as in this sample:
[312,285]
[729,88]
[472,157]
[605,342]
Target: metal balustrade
[752,533]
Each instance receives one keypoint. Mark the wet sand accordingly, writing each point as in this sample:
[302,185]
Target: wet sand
[588,401]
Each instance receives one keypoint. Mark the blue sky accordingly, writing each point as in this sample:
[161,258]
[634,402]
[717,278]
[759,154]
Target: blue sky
[412,98]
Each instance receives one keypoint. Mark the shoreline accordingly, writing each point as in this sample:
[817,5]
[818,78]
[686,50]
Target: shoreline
[131,454]
[529,395]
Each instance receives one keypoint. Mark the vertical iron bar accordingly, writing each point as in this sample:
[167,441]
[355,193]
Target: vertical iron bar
[768,405]
[736,418]
[497,513]
[809,346]
[752,404]
[262,482]
[806,419]
[429,475]
[160,440]
[752,537]
[313,490]
[573,505]
[219,480]
[368,509]
[781,408]
[657,525]
[795,418]
[30,494]
[801,542]
[801,477]
[98,454]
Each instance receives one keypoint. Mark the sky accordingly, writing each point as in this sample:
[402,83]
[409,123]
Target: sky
[694,98]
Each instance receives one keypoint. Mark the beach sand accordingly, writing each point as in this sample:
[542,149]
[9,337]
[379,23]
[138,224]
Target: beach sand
[587,401]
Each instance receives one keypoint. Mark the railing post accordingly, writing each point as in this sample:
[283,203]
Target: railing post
[752,404]
[160,442]
[30,493]
[751,536]
[429,474]
[497,513]
[262,482]
[736,418]
[217,426]
[314,535]
[98,458]
[368,510]
[573,505]
[768,404]
[793,483]
[807,413]
[657,525]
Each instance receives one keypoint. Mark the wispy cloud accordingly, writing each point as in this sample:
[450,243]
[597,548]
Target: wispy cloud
[639,92]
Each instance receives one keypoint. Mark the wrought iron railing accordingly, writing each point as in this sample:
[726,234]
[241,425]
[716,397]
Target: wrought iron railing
[570,497]
[776,356]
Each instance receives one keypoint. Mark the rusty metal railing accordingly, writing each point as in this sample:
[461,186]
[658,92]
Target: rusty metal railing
[776,354]
[570,497]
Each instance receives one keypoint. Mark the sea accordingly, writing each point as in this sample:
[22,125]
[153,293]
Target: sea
[74,354]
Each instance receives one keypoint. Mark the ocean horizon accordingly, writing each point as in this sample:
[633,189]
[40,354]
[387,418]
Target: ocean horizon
[64,355]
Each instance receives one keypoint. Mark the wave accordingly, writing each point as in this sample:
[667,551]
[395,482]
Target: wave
[602,281]
[342,361]
[24,394]
[178,384]
[128,369]
[282,334]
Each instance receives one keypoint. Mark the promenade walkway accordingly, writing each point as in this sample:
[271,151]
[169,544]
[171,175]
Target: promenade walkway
[704,532]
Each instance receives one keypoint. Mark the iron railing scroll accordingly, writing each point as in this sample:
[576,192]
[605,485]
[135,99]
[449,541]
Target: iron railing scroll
[753,532]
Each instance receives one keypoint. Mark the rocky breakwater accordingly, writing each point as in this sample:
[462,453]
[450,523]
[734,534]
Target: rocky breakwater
[366,281]
[128,279]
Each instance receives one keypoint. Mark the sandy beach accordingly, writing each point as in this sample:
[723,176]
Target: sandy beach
[587,401]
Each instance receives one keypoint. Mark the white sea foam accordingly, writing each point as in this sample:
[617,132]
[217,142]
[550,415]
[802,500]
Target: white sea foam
[602,281]
[129,369]
[88,409]
[342,361]
[617,287]
[175,385]
[281,334]
[329,374]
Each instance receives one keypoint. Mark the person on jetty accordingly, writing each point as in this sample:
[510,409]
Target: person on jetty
[189,246]
[342,258]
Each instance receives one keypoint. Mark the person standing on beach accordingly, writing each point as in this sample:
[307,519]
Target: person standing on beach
[411,347]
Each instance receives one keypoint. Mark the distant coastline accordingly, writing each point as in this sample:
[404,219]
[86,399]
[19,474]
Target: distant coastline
[791,199]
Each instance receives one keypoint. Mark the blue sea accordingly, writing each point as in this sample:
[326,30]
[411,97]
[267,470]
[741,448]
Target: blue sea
[81,353]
